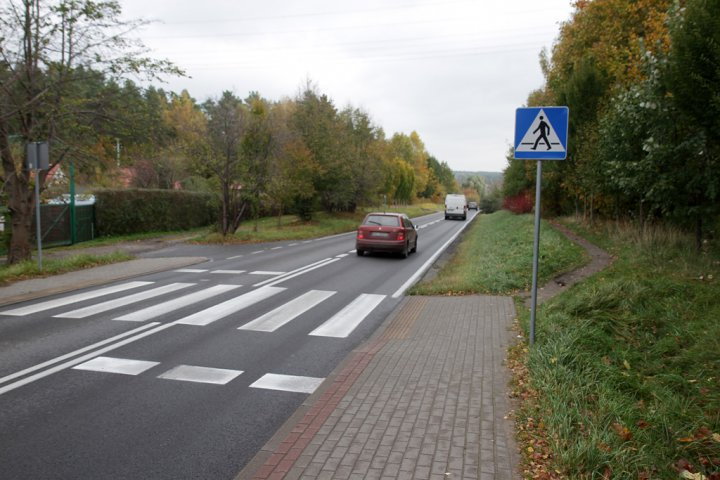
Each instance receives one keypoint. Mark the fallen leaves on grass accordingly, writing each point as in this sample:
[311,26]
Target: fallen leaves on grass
[537,456]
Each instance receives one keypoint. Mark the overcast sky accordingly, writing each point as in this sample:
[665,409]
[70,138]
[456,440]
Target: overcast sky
[454,71]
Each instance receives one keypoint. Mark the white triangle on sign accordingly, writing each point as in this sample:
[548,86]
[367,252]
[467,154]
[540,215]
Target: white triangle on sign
[535,141]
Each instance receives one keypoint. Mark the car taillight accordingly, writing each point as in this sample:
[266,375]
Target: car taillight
[401,235]
[360,234]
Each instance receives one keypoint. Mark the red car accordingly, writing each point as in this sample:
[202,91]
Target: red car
[386,232]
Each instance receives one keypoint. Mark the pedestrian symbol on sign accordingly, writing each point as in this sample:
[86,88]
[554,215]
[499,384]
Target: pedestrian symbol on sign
[539,134]
[544,130]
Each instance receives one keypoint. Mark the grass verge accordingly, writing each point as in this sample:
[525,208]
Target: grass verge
[29,269]
[495,257]
[290,227]
[624,378]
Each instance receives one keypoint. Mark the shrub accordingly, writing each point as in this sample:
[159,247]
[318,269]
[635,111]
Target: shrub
[122,212]
[520,203]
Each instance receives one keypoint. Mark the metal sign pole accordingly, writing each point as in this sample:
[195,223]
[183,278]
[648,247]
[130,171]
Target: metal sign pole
[536,252]
[38,232]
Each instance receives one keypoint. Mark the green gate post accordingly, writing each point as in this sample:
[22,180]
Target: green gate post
[73,229]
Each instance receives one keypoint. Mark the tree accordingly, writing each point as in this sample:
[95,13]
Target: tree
[227,123]
[47,49]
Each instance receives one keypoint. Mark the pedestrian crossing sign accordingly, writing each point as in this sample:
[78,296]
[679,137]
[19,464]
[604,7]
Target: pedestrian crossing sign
[541,133]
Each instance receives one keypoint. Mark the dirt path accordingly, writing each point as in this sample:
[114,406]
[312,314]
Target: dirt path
[599,260]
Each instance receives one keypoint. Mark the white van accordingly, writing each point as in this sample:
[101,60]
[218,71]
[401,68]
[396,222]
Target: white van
[455,206]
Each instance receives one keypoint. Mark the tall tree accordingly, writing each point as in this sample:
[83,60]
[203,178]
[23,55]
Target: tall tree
[47,48]
[227,124]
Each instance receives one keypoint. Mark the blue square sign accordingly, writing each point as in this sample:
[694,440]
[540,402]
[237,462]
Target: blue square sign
[541,133]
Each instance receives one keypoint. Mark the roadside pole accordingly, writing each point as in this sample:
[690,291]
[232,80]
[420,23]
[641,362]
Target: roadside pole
[73,220]
[38,158]
[536,251]
[38,230]
[546,128]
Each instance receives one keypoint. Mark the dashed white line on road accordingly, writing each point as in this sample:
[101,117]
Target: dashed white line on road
[233,258]
[352,251]
[293,244]
[125,366]
[276,248]
[288,383]
[191,270]
[157,328]
[228,272]
[266,272]
[76,352]
[255,253]
[189,373]
[283,278]
[342,255]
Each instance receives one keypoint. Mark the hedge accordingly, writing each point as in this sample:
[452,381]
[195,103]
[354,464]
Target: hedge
[122,212]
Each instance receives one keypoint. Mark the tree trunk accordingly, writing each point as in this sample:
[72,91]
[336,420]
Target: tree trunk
[20,204]
[698,232]
[20,201]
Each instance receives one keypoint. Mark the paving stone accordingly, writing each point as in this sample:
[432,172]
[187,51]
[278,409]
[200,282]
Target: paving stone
[429,399]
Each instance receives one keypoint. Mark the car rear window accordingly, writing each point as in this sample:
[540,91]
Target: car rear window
[382,220]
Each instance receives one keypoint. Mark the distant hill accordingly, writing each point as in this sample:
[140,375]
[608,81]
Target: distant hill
[490,177]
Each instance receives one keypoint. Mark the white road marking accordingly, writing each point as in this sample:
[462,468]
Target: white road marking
[191,270]
[288,383]
[189,373]
[346,320]
[307,241]
[293,244]
[276,248]
[233,258]
[40,366]
[288,277]
[291,272]
[125,366]
[228,272]
[61,302]
[410,281]
[259,251]
[275,319]
[342,255]
[265,272]
[352,251]
[176,304]
[121,302]
[84,358]
[209,315]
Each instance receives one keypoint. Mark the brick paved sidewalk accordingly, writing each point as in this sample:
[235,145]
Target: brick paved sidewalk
[425,398]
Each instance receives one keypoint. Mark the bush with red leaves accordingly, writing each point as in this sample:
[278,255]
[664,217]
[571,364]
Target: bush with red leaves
[520,203]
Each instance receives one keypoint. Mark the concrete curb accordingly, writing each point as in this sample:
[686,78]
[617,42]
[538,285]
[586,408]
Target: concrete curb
[67,282]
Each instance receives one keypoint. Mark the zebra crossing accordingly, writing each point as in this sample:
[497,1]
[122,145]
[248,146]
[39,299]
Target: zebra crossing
[340,325]
[132,305]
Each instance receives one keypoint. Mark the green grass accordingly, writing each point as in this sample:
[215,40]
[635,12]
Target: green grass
[290,227]
[495,256]
[29,269]
[627,363]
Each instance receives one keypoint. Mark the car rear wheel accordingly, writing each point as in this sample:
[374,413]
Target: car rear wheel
[414,250]
[405,251]
[360,253]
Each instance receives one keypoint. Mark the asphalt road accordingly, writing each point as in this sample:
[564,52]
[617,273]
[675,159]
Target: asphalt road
[187,373]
